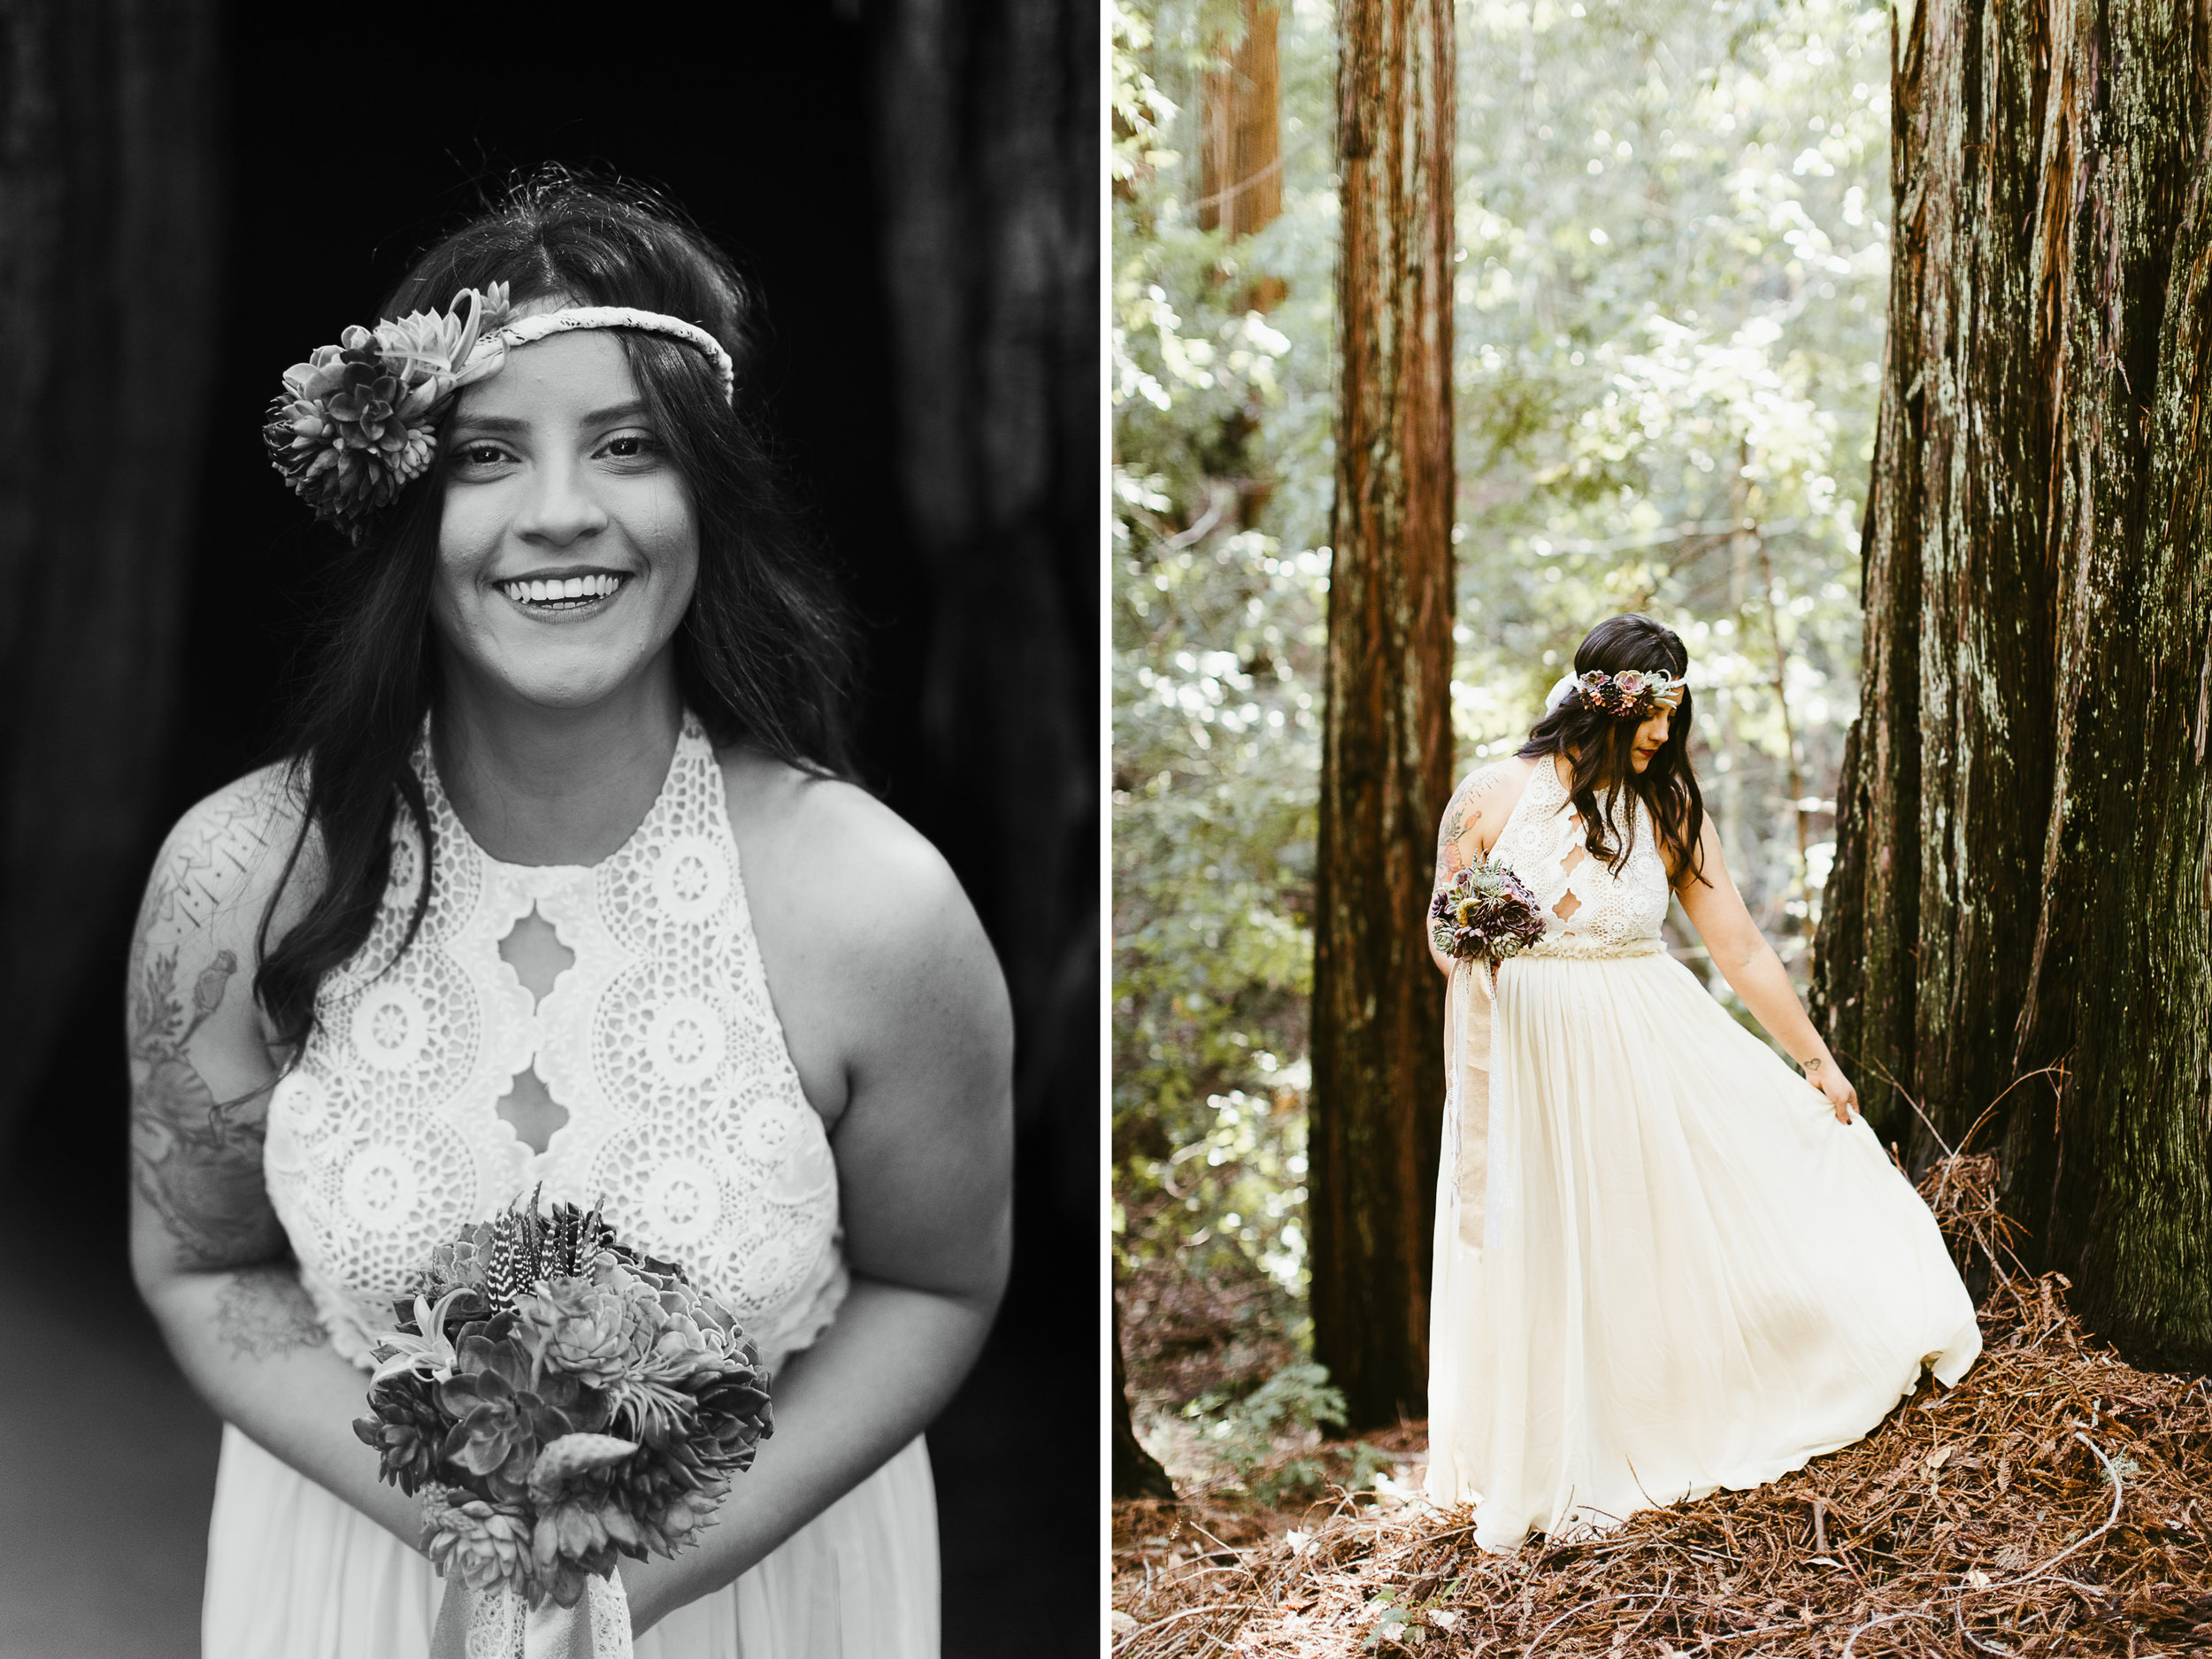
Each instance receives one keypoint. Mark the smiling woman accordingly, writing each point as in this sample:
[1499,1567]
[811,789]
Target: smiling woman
[567,553]
[555,895]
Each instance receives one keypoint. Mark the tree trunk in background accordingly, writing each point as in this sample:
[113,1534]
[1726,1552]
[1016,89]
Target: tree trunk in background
[989,170]
[1240,157]
[109,227]
[1135,1473]
[2023,875]
[1387,747]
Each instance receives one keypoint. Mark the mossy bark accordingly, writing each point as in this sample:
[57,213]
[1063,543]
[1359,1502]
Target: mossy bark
[2020,919]
[1386,769]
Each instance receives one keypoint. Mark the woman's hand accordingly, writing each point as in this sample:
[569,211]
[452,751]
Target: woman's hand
[1823,1072]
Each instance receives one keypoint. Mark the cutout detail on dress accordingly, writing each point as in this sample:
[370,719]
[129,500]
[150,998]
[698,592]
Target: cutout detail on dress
[1570,861]
[534,949]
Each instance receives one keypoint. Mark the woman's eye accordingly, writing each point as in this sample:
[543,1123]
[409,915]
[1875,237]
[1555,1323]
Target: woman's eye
[629,447]
[480,455]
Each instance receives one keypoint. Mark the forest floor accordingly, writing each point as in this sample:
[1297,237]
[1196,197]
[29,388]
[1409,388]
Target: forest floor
[2057,1501]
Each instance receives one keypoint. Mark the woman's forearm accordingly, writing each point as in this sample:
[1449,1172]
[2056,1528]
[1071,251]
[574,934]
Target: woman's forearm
[1764,984]
[249,1341]
[872,1382]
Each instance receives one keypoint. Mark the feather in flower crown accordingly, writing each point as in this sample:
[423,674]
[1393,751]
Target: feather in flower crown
[358,421]
[1632,694]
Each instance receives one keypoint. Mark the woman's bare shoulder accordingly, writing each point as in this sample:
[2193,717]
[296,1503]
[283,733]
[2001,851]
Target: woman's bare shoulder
[837,863]
[1486,797]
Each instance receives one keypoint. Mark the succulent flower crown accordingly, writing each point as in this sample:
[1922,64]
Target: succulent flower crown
[358,421]
[1631,694]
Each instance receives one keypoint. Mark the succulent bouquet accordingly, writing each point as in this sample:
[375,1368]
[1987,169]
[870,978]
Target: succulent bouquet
[557,1400]
[1485,913]
[357,420]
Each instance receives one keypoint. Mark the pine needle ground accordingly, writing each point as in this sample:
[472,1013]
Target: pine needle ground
[2056,1501]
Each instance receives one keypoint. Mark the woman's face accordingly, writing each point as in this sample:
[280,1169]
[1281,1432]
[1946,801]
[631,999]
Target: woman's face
[567,548]
[1651,735]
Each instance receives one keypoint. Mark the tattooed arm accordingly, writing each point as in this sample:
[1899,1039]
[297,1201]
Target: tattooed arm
[210,1255]
[1477,811]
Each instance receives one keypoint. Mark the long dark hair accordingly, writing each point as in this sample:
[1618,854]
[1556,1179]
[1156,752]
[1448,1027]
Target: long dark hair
[764,654]
[1600,750]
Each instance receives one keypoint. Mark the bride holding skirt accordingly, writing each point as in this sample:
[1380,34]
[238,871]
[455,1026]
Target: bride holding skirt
[1664,1262]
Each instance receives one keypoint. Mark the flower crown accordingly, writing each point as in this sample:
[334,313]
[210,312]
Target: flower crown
[1632,694]
[358,421]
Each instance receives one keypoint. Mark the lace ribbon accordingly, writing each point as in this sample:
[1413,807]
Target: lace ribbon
[499,1624]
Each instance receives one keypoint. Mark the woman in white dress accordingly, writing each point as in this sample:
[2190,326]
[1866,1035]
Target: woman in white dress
[561,889]
[1664,1262]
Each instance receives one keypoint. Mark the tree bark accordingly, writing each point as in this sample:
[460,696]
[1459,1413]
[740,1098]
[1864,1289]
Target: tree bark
[1136,1473]
[2023,878]
[1240,157]
[1386,769]
[111,206]
[989,163]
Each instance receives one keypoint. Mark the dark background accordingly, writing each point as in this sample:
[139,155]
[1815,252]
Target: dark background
[193,196]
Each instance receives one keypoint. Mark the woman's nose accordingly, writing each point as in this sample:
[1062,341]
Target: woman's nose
[559,507]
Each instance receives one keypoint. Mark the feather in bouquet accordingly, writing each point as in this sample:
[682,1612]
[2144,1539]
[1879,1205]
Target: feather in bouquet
[1485,913]
[557,1400]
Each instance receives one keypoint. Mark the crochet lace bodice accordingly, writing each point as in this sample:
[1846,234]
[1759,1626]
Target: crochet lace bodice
[1616,915]
[685,1111]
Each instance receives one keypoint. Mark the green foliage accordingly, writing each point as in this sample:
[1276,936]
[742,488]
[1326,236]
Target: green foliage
[1243,1435]
[1222,487]
[1673,261]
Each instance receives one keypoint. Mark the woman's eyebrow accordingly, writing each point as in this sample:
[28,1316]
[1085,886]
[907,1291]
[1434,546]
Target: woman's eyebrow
[498,424]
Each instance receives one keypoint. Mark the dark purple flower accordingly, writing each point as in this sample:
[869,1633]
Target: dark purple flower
[404,1426]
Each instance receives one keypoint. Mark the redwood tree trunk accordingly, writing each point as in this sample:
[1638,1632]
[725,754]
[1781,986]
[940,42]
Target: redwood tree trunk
[109,223]
[1386,767]
[1240,157]
[989,164]
[2023,875]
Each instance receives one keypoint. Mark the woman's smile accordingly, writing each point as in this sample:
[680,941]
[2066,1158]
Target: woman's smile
[564,594]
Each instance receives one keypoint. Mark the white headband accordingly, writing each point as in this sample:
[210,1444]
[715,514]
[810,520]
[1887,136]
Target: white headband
[524,330]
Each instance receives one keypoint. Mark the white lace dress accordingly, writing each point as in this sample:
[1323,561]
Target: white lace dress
[1662,1266]
[684,1111]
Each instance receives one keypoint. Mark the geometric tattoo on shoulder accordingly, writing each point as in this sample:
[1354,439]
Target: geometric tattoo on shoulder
[262,1313]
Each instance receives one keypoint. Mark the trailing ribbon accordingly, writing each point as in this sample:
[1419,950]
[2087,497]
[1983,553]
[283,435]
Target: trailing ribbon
[500,1624]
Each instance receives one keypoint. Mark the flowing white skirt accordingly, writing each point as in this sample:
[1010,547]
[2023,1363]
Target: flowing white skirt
[294,1572]
[1661,1267]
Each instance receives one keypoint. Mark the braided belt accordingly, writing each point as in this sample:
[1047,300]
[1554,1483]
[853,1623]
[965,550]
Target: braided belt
[1582,948]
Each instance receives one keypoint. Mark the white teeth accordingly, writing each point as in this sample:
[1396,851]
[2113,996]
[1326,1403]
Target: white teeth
[567,588]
